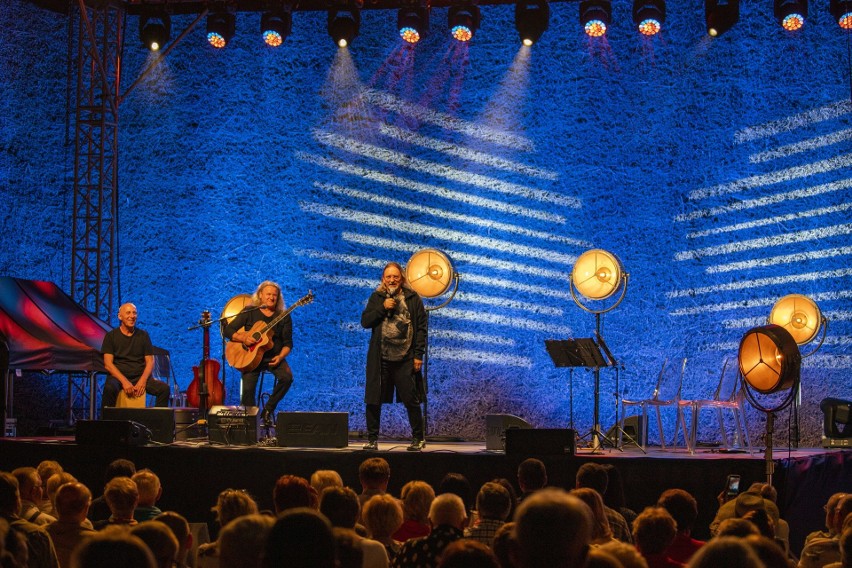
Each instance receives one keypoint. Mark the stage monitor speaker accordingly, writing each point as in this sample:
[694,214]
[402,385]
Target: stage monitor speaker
[634,427]
[313,429]
[161,421]
[540,441]
[233,425]
[495,429]
[111,433]
[185,424]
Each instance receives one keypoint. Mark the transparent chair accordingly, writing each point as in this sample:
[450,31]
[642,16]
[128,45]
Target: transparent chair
[729,395]
[666,393]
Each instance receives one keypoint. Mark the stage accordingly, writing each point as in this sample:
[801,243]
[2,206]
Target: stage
[194,472]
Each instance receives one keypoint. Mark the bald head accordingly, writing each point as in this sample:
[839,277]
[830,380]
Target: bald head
[127,315]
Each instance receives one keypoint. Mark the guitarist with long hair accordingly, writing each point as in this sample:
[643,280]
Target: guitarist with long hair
[277,342]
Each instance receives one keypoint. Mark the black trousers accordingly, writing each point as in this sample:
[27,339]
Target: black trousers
[399,376]
[156,387]
[283,380]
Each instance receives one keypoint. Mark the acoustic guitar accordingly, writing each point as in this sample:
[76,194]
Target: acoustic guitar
[244,358]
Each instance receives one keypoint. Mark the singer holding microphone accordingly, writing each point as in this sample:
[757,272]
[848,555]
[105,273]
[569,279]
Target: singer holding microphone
[266,304]
[397,318]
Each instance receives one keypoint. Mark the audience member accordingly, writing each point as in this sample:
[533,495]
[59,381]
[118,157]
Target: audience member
[180,528]
[99,510]
[505,545]
[725,552]
[71,526]
[845,549]
[513,495]
[601,532]
[468,553]
[625,553]
[457,484]
[770,552]
[829,508]
[230,504]
[597,558]
[46,469]
[160,540]
[121,496]
[448,517]
[341,507]
[241,542]
[382,516]
[493,503]
[532,476]
[760,519]
[349,553]
[736,527]
[749,500]
[821,551]
[291,492]
[374,475]
[300,538]
[322,478]
[32,493]
[52,485]
[543,520]
[683,508]
[654,531]
[417,497]
[594,476]
[113,546]
[39,548]
[150,491]
[614,498]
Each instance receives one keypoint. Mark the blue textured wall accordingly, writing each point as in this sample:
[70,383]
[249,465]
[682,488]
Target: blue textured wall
[718,171]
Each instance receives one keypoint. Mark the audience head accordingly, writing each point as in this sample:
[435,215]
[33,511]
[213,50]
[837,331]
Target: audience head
[505,545]
[737,527]
[768,550]
[846,547]
[542,521]
[349,551]
[374,474]
[493,502]
[601,531]
[614,495]
[730,552]
[10,498]
[457,484]
[161,541]
[467,554]
[72,501]
[292,491]
[340,506]
[233,503]
[180,528]
[841,511]
[625,553]
[448,509]
[681,506]
[594,476]
[30,486]
[113,546]
[121,496]
[829,508]
[417,497]
[760,519]
[300,538]
[241,542]
[653,531]
[532,475]
[322,478]
[513,494]
[382,515]
[54,482]
[598,558]
[47,468]
[149,487]
[119,468]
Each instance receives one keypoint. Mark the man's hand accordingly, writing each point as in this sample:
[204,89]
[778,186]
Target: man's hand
[418,364]
[139,388]
[275,361]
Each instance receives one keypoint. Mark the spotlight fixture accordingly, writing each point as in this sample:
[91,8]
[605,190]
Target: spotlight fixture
[463,21]
[841,10]
[275,26]
[800,316]
[595,16]
[220,29]
[343,25]
[412,23]
[721,15]
[649,16]
[531,20]
[791,14]
[155,31]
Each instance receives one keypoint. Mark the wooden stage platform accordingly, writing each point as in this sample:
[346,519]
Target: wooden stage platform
[194,472]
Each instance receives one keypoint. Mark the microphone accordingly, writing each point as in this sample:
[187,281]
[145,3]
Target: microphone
[388,296]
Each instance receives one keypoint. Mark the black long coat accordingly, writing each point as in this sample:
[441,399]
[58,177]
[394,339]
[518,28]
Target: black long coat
[372,318]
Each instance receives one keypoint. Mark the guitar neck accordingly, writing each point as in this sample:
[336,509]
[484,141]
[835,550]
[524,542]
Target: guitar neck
[277,319]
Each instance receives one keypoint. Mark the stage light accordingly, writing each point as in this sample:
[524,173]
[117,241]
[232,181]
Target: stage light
[155,31]
[275,26]
[531,20]
[412,23]
[343,25]
[800,316]
[769,359]
[721,15]
[220,29]
[597,274]
[791,14]
[841,10]
[463,22]
[649,16]
[595,16]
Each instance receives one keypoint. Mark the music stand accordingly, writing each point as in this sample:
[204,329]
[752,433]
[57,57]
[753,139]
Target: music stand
[582,352]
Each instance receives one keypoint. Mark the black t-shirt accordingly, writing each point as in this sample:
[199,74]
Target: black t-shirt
[282,333]
[128,352]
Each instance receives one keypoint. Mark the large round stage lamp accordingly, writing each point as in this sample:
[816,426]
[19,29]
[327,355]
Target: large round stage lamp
[234,306]
[800,316]
[597,275]
[430,273]
[769,359]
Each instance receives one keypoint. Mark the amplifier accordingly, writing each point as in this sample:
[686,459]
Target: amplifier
[111,433]
[540,441]
[161,421]
[836,442]
[495,429]
[233,425]
[313,429]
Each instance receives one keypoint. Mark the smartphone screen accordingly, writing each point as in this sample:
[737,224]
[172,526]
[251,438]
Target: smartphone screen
[733,485]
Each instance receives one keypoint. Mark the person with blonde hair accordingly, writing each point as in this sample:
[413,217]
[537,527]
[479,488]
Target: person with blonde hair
[150,491]
[32,493]
[266,306]
[121,496]
[448,517]
[52,485]
[71,526]
[241,542]
[601,531]
[230,505]
[322,478]
[417,497]
[382,515]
